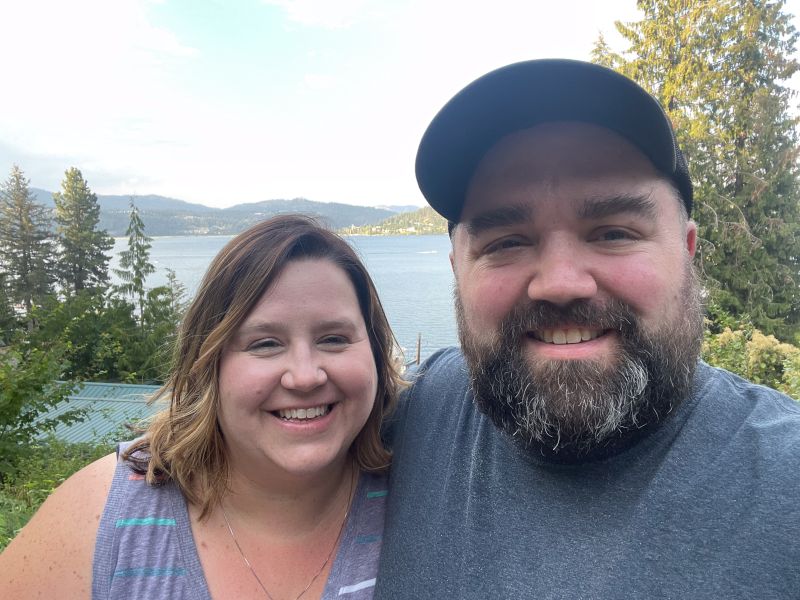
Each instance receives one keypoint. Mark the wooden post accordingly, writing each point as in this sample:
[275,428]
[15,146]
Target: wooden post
[419,346]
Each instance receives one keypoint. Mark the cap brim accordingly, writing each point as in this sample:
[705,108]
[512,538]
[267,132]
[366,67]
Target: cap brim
[525,94]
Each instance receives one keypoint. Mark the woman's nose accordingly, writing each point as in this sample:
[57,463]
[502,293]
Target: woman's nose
[303,372]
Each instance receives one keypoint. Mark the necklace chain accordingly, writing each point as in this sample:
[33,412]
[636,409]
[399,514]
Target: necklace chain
[327,558]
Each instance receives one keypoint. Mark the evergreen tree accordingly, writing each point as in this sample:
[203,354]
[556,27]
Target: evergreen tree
[720,68]
[96,331]
[177,302]
[8,320]
[163,313]
[83,261]
[134,262]
[26,251]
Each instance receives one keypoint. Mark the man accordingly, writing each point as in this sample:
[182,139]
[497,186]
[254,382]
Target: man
[578,448]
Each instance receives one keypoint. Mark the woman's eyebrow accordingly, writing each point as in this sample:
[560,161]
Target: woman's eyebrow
[598,208]
[280,326]
[258,327]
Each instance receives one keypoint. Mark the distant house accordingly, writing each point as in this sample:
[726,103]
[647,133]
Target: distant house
[110,407]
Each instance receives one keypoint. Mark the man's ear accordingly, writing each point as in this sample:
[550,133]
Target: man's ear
[691,238]
[452,263]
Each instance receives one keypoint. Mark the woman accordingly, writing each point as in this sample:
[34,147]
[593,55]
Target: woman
[263,477]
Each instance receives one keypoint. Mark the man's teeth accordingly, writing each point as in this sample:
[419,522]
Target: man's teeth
[304,413]
[573,335]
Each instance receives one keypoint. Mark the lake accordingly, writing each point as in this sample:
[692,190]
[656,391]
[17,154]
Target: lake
[412,275]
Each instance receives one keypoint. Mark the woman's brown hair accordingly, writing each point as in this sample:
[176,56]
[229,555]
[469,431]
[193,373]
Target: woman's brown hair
[184,442]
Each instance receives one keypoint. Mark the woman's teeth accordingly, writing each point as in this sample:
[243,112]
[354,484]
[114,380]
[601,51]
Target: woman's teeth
[301,414]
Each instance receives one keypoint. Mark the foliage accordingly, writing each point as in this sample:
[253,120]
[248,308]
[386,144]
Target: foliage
[162,315]
[791,376]
[83,263]
[134,262]
[102,340]
[94,329]
[8,319]
[26,253]
[720,67]
[28,390]
[88,333]
[47,464]
[755,356]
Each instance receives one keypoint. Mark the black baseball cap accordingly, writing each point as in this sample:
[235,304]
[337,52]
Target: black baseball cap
[524,94]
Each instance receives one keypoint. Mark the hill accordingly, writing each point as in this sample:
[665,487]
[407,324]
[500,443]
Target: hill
[424,221]
[170,216]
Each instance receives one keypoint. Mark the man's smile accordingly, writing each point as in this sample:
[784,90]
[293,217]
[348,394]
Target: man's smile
[569,335]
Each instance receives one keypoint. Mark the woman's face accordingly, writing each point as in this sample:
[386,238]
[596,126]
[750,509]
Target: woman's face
[298,379]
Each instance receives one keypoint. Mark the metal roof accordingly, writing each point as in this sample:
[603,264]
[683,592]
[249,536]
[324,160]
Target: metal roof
[110,406]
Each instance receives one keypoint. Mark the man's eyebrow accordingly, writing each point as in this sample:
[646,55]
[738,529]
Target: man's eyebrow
[498,217]
[598,208]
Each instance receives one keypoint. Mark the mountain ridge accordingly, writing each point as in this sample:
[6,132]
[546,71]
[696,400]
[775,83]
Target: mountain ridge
[171,216]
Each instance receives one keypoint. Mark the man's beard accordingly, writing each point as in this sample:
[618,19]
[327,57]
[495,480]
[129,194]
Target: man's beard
[584,409]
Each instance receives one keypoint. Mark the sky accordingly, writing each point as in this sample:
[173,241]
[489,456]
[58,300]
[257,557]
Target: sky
[222,102]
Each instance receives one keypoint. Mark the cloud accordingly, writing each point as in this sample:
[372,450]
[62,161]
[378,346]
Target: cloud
[94,85]
[81,62]
[317,81]
[326,14]
[46,171]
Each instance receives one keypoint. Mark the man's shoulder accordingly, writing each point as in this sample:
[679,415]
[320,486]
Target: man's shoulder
[754,415]
[437,395]
[445,359]
[444,373]
[755,400]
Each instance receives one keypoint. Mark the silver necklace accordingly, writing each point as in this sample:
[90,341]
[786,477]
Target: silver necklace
[327,558]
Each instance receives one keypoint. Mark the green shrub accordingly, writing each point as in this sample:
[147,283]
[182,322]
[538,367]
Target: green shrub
[13,516]
[791,376]
[727,350]
[29,390]
[40,471]
[766,357]
[760,358]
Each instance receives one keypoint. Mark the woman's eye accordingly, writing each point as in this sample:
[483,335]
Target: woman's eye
[267,344]
[334,340]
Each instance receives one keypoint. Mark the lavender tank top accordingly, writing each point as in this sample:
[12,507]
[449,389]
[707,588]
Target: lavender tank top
[145,548]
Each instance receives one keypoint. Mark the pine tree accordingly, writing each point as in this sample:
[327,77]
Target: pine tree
[8,320]
[26,250]
[720,68]
[163,313]
[134,262]
[83,261]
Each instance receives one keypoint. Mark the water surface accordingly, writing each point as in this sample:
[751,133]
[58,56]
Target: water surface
[412,275]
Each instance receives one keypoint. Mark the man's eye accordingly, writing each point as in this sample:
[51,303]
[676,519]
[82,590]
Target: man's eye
[614,235]
[504,244]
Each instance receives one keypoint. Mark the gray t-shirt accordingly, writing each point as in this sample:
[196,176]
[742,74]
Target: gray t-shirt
[705,506]
[145,549]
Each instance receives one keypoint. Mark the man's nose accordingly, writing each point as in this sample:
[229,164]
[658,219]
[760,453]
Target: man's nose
[562,273]
[303,371]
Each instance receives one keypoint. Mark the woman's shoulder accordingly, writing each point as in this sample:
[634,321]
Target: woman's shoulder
[54,551]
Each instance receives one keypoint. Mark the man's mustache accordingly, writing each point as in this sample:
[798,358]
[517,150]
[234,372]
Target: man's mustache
[541,314]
